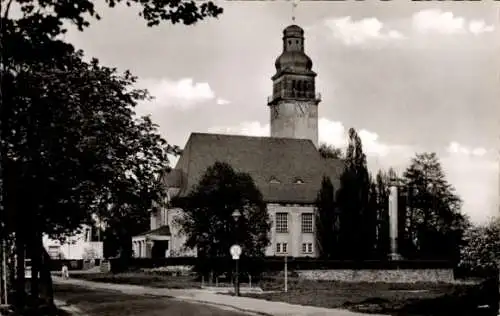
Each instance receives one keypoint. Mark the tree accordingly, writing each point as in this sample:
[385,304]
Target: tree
[357,221]
[44,96]
[207,220]
[330,152]
[326,220]
[434,221]
[382,227]
[481,249]
[104,161]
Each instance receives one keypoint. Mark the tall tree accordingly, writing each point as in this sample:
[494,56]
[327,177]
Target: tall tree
[356,236]
[207,220]
[434,221]
[382,227]
[61,169]
[327,233]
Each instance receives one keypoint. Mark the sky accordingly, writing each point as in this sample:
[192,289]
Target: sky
[409,76]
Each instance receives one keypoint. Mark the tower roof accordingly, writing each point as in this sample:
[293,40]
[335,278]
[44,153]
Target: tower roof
[293,31]
[293,58]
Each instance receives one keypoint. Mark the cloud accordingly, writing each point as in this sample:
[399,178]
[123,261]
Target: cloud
[183,93]
[352,32]
[473,171]
[456,148]
[222,102]
[245,128]
[438,21]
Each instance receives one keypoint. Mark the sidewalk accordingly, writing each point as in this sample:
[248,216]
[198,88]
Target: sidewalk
[245,304]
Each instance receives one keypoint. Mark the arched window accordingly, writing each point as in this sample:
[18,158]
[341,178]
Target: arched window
[298,181]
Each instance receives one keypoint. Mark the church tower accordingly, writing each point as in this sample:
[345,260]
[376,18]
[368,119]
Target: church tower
[294,102]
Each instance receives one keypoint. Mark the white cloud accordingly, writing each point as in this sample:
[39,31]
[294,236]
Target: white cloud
[245,128]
[456,148]
[182,93]
[222,101]
[352,32]
[473,171]
[436,20]
[479,26]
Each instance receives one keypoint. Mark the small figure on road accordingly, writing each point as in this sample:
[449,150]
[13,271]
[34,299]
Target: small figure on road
[65,272]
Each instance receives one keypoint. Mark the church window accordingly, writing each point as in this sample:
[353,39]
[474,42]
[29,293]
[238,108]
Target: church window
[298,181]
[307,222]
[307,248]
[281,247]
[281,222]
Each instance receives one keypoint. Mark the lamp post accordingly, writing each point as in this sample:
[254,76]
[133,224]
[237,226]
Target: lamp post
[236,252]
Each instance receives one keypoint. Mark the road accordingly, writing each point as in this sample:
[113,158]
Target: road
[95,302]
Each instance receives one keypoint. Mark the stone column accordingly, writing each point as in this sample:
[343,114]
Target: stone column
[393,222]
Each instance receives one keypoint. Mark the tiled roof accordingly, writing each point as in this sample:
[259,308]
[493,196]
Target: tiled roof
[264,158]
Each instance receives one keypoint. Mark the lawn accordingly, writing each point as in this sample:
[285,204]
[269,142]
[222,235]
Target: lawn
[391,299]
[383,298]
[142,278]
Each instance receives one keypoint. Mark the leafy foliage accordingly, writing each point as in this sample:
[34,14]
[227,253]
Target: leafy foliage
[357,221]
[330,152]
[481,250]
[326,220]
[434,223]
[207,220]
[71,146]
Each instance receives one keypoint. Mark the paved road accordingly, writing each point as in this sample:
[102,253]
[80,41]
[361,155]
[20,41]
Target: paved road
[94,302]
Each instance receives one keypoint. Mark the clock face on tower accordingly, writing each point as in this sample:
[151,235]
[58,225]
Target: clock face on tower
[302,108]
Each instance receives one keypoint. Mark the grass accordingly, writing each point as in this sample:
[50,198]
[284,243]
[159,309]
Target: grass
[382,298]
[151,279]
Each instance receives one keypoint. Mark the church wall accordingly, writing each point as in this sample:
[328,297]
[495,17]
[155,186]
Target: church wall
[294,237]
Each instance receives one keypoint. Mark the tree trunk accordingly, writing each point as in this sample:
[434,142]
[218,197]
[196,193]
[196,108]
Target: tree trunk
[35,266]
[20,279]
[45,277]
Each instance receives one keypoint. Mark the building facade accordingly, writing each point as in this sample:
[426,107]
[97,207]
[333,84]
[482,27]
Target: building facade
[286,167]
[82,245]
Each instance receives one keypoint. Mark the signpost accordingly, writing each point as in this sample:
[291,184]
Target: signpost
[235,251]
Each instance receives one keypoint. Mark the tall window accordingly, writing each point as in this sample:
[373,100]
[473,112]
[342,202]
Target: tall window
[282,222]
[307,223]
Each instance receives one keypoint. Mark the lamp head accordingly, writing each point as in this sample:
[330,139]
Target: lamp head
[236,215]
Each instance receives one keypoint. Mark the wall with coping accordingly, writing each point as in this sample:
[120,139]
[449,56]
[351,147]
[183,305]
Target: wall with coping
[379,275]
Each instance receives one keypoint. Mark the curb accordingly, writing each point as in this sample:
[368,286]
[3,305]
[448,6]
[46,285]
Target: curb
[68,308]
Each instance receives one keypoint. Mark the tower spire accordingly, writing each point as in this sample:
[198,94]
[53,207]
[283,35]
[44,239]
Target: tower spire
[294,6]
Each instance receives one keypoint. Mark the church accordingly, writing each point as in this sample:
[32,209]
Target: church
[286,167]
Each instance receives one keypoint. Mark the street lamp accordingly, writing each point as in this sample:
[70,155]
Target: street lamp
[236,252]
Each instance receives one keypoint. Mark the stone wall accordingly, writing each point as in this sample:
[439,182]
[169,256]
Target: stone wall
[379,275]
